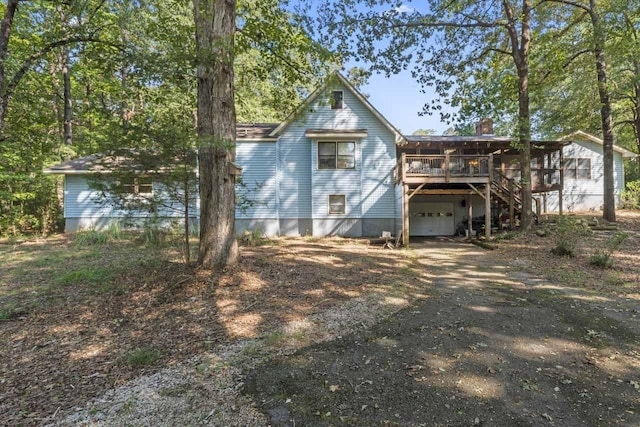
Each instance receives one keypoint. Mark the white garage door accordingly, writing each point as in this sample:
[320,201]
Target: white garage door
[431,219]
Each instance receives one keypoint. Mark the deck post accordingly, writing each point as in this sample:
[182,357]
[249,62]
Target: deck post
[447,171]
[560,195]
[403,172]
[469,216]
[405,215]
[487,212]
[512,208]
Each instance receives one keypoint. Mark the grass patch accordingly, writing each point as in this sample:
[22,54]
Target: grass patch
[274,338]
[8,312]
[86,275]
[143,356]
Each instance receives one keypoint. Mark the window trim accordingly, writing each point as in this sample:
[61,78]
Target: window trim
[575,170]
[337,104]
[344,204]
[336,155]
[133,188]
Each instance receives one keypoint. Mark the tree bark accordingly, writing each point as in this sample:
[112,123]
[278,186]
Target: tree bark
[520,52]
[215,28]
[68,111]
[5,35]
[609,205]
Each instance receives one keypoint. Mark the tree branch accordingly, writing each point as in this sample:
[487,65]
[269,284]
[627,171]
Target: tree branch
[45,50]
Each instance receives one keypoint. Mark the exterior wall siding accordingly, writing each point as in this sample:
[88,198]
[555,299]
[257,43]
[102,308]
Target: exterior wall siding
[587,194]
[84,208]
[369,188]
[259,180]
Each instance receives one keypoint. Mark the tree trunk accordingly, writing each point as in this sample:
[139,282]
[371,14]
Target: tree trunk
[636,108]
[68,112]
[609,203]
[5,34]
[520,53]
[215,28]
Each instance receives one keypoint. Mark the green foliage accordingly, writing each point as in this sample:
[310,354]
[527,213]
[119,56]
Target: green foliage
[142,356]
[8,312]
[92,237]
[568,232]
[631,195]
[603,257]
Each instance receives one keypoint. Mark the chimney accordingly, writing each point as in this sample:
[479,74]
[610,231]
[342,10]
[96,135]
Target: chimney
[484,127]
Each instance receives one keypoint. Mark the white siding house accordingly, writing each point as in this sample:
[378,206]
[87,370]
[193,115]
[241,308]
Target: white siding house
[584,175]
[338,167]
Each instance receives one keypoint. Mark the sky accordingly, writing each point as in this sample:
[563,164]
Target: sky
[399,99]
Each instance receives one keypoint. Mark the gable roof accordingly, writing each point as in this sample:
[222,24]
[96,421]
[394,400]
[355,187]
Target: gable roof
[400,139]
[589,137]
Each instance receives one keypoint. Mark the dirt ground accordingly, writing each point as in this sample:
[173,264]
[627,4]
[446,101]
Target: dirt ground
[504,337]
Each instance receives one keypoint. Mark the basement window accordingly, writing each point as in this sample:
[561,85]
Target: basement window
[337,204]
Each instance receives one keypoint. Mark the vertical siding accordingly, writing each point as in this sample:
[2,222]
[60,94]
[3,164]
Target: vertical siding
[369,188]
[258,163]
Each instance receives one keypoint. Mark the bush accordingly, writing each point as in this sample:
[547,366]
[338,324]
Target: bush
[568,233]
[631,196]
[253,238]
[603,258]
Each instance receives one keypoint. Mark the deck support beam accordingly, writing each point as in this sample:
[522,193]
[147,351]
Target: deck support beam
[487,212]
[469,217]
[405,216]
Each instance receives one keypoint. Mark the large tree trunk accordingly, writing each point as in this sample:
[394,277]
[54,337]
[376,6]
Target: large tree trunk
[609,206]
[636,107]
[520,52]
[5,35]
[215,28]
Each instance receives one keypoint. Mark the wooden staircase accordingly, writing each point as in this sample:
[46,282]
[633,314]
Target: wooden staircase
[508,194]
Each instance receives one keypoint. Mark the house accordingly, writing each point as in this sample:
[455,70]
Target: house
[338,167]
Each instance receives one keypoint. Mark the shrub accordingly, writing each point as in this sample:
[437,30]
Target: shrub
[253,238]
[92,237]
[631,196]
[603,258]
[568,233]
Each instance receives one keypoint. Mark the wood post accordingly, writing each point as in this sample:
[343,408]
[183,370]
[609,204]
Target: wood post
[560,191]
[469,216]
[405,215]
[403,165]
[512,209]
[447,171]
[487,212]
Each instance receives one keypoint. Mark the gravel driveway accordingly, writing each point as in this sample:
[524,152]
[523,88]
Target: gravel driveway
[491,346]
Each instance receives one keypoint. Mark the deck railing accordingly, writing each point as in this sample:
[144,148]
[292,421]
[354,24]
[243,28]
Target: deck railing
[418,165]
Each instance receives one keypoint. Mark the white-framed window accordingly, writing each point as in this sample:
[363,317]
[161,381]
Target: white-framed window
[337,204]
[337,155]
[137,185]
[577,168]
[337,100]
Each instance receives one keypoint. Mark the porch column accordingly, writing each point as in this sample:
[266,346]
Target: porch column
[405,215]
[487,212]
[560,195]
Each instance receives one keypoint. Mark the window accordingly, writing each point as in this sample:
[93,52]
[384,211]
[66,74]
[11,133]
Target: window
[337,204]
[336,100]
[336,155]
[138,185]
[577,168]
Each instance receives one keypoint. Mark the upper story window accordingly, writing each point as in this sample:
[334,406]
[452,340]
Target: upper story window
[336,155]
[138,185]
[577,168]
[336,100]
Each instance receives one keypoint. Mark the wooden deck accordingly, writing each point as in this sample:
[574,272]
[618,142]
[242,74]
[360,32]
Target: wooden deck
[445,168]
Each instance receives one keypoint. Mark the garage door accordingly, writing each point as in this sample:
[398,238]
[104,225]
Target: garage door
[431,219]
